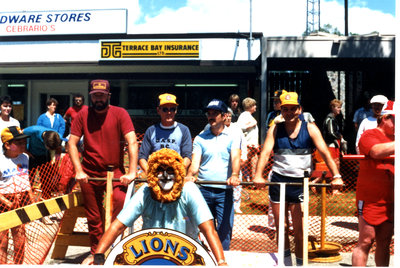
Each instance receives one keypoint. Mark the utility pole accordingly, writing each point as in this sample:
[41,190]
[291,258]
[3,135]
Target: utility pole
[251,33]
[346,17]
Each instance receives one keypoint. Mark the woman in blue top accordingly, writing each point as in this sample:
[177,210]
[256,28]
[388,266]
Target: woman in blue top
[51,119]
[292,142]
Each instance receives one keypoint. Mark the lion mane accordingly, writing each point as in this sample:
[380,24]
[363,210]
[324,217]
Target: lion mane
[166,158]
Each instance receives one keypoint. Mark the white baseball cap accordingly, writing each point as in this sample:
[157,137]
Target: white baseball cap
[379,99]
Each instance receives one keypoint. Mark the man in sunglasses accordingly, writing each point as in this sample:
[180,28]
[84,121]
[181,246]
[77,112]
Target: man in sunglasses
[166,134]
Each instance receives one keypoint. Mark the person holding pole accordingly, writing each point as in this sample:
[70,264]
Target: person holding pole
[166,201]
[292,142]
[216,157]
[106,129]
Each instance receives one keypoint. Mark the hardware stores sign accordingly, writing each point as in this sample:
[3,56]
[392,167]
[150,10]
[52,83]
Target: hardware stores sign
[63,22]
[119,50]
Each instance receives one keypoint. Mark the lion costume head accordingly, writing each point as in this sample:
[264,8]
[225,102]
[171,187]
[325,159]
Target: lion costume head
[166,163]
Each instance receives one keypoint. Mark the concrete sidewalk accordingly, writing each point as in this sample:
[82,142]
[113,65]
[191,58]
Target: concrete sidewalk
[337,229]
[75,256]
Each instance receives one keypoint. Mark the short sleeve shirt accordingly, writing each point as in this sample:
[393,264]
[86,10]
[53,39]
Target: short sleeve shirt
[177,138]
[215,151]
[103,139]
[183,215]
[14,174]
[374,184]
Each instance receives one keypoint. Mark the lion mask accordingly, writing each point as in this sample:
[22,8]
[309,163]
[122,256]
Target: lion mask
[166,165]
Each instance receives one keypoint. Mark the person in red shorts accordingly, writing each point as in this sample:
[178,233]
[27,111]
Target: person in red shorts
[105,129]
[375,192]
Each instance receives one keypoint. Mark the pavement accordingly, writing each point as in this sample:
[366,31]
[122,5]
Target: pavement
[75,254]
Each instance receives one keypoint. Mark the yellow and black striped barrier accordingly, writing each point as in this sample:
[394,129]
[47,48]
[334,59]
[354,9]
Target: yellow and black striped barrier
[39,210]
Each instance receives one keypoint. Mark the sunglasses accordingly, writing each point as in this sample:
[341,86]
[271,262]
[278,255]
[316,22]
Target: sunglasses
[166,110]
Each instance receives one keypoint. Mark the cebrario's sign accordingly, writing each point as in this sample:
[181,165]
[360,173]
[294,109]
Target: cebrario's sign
[63,22]
[119,50]
[159,247]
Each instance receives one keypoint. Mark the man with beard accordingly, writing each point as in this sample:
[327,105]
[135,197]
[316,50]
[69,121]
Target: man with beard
[216,157]
[105,129]
[70,114]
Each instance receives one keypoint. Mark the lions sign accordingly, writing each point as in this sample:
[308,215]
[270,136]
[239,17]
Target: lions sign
[159,247]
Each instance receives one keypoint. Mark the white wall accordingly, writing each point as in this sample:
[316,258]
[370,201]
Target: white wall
[57,87]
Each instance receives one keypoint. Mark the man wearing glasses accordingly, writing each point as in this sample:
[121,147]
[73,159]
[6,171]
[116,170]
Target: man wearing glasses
[166,134]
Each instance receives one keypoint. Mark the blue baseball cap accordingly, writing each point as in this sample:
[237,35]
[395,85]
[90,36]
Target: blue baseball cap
[219,105]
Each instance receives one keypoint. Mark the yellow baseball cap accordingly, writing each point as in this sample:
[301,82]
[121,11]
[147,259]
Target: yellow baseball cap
[167,98]
[12,133]
[289,98]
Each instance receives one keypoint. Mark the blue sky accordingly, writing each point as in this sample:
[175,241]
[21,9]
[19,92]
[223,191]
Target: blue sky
[365,16]
[387,6]
[152,8]
[271,17]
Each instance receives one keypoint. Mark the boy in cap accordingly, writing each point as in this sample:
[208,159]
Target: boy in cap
[15,189]
[167,134]
[378,103]
[105,129]
[292,142]
[216,157]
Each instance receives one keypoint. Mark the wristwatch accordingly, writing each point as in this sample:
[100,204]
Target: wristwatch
[99,259]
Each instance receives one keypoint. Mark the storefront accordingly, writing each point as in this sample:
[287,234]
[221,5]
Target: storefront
[36,65]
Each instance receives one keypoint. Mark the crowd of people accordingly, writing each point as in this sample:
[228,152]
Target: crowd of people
[227,150]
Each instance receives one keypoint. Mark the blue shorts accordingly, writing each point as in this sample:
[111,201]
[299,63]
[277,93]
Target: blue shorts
[294,194]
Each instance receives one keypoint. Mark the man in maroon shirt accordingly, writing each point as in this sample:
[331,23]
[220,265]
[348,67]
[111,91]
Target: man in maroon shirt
[70,114]
[105,129]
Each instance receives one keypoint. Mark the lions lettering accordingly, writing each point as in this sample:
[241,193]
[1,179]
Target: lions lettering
[156,245]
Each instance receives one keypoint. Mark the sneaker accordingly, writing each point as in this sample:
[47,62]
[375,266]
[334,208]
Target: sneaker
[88,260]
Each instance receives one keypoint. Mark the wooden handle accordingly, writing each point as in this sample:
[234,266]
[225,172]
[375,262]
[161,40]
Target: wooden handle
[323,212]
[108,202]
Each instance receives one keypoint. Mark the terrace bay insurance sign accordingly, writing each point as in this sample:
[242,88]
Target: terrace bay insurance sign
[129,49]
[63,22]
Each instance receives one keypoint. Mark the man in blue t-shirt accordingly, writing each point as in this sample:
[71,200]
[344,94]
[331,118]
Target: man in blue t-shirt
[216,157]
[166,134]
